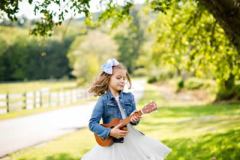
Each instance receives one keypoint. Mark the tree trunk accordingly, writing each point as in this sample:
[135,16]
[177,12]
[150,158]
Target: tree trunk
[226,89]
[227,13]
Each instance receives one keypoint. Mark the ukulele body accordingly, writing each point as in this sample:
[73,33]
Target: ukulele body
[110,140]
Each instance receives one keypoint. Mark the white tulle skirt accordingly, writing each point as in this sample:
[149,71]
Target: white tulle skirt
[136,146]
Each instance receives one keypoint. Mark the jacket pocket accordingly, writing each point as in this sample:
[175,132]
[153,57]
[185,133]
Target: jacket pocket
[111,109]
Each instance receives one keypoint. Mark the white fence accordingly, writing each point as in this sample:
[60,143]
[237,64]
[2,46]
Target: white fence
[41,98]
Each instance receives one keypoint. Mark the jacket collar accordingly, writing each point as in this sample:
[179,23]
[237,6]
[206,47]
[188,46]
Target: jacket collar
[109,94]
[111,97]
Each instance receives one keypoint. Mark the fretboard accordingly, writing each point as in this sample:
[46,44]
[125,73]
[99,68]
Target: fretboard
[127,120]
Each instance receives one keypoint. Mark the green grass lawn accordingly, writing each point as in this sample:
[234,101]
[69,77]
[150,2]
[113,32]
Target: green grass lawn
[196,132]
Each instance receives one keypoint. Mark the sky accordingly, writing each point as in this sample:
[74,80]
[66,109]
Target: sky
[26,10]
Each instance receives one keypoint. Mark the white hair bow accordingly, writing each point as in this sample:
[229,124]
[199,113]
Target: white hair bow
[107,67]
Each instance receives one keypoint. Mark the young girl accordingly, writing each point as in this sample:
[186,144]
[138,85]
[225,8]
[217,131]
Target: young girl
[114,103]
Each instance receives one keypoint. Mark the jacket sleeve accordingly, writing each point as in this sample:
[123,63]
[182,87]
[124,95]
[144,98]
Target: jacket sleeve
[134,108]
[96,116]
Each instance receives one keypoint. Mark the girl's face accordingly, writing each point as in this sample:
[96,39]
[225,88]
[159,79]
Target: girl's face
[117,80]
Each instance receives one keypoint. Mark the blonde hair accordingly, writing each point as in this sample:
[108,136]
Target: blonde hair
[100,85]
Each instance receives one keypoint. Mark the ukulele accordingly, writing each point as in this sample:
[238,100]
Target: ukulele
[121,124]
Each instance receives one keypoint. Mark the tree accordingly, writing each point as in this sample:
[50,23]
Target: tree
[130,39]
[88,52]
[32,58]
[226,12]
[191,40]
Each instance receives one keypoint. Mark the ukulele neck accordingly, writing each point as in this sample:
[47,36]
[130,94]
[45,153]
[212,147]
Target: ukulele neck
[127,120]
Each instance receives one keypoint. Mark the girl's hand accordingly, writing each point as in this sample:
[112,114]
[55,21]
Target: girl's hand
[135,117]
[118,133]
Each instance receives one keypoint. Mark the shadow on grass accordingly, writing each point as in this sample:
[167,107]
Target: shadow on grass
[224,146]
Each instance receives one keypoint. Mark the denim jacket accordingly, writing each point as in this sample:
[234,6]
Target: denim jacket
[106,109]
